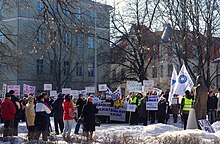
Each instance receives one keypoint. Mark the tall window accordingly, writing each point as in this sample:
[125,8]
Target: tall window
[154,72]
[91,42]
[79,41]
[170,70]
[40,66]
[40,6]
[91,14]
[91,70]
[40,36]
[161,70]
[1,37]
[79,69]
[66,69]
[78,13]
[67,39]
[52,66]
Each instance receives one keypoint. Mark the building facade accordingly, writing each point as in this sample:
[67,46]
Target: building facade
[58,42]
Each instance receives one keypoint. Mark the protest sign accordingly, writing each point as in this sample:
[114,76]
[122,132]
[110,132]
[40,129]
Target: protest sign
[83,92]
[174,100]
[53,93]
[103,87]
[151,105]
[66,90]
[153,98]
[104,108]
[206,126]
[148,85]
[27,89]
[16,88]
[118,114]
[134,87]
[131,108]
[90,89]
[47,86]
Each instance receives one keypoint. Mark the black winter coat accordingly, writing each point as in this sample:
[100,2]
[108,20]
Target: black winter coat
[58,109]
[88,113]
[161,108]
[212,103]
[80,103]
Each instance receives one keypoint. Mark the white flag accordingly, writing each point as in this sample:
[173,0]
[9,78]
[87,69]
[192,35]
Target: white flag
[184,82]
[172,85]
[117,92]
[108,91]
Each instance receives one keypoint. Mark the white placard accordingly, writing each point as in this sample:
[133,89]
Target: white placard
[104,108]
[16,88]
[151,105]
[66,90]
[154,98]
[53,93]
[131,108]
[74,92]
[174,101]
[103,87]
[47,86]
[27,89]
[84,92]
[118,114]
[206,126]
[148,85]
[90,89]
[134,87]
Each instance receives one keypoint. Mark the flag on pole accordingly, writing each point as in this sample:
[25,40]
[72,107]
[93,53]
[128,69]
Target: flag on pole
[108,91]
[184,82]
[117,92]
[172,85]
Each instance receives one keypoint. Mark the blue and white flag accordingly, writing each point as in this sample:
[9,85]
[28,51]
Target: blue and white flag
[184,82]
[172,85]
[117,92]
[108,91]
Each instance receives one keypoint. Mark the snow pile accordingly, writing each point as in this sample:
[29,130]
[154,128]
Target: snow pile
[12,140]
[216,126]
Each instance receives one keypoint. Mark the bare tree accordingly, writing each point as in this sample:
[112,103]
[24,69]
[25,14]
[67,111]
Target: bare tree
[195,27]
[134,44]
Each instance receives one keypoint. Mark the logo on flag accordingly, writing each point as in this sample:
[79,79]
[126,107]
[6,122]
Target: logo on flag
[172,85]
[184,82]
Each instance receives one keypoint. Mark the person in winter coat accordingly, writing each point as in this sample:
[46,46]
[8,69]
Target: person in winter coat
[42,111]
[212,106]
[186,105]
[118,102]
[68,119]
[161,113]
[88,114]
[175,109]
[30,117]
[17,105]
[8,115]
[143,112]
[79,104]
[58,114]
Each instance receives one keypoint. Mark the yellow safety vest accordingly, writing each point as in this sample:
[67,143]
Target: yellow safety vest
[187,104]
[133,100]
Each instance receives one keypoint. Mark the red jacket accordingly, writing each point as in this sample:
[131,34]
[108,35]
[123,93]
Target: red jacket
[66,106]
[8,109]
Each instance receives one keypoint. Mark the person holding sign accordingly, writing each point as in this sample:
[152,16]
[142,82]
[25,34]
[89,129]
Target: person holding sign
[186,105]
[135,100]
[175,108]
[143,112]
[118,102]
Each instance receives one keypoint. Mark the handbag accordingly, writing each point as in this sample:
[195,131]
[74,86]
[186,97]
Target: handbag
[71,112]
[80,120]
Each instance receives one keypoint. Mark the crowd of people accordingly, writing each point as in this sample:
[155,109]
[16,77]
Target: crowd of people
[37,110]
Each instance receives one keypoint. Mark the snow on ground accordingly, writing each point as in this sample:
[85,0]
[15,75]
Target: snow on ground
[153,133]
